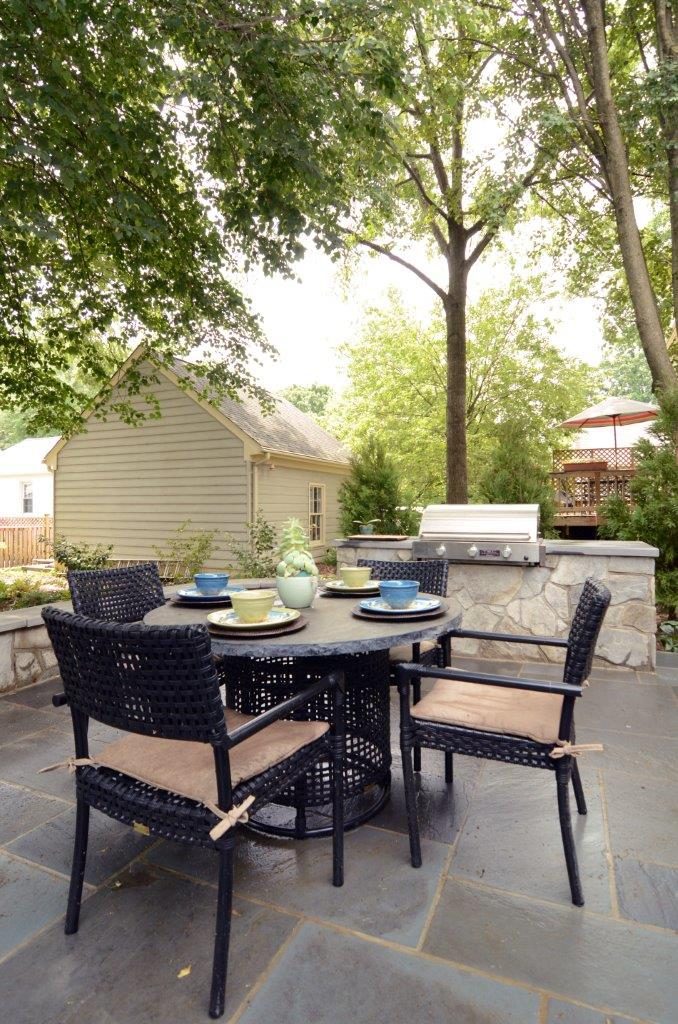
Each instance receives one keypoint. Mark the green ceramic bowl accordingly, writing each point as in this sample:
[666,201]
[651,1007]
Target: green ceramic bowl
[253,605]
[354,575]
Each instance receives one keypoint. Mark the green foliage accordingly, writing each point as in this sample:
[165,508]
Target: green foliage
[373,492]
[330,558]
[189,550]
[312,399]
[148,152]
[668,635]
[295,558]
[80,556]
[513,475]
[624,371]
[24,593]
[257,558]
[653,518]
[397,386]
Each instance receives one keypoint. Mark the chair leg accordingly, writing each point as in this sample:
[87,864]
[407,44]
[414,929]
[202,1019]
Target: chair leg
[562,784]
[416,697]
[300,817]
[223,928]
[449,768]
[77,867]
[578,788]
[411,808]
[338,814]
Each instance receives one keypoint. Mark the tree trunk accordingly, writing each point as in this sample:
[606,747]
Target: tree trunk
[616,161]
[455,324]
[667,52]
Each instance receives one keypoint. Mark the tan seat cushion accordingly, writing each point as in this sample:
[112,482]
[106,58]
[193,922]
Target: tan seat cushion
[404,651]
[493,709]
[187,768]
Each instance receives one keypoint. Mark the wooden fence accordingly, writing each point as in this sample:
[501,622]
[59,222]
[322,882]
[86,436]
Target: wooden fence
[20,539]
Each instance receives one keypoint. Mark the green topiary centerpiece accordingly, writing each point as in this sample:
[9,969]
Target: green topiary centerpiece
[295,558]
[296,571]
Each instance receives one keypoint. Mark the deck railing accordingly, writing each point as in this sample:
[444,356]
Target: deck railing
[584,479]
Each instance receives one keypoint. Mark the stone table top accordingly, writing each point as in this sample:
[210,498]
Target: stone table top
[331,629]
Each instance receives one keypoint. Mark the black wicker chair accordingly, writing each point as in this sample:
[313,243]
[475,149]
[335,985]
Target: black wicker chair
[431,575]
[116,595]
[159,684]
[432,578]
[502,718]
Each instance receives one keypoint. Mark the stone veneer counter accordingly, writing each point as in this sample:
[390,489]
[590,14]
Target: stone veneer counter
[541,599]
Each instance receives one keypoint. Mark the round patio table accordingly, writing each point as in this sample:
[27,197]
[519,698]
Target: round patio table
[261,673]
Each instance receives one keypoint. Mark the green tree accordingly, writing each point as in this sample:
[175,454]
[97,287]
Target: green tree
[624,371]
[514,473]
[149,151]
[456,170]
[606,75]
[397,386]
[653,517]
[311,398]
[373,492]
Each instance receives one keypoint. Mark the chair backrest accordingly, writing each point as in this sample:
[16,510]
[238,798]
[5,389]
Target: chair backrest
[116,595]
[155,680]
[583,636]
[431,574]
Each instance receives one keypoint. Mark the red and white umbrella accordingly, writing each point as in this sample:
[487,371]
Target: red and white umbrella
[612,412]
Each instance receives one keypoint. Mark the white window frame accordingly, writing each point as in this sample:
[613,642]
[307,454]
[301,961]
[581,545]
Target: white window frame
[23,485]
[316,518]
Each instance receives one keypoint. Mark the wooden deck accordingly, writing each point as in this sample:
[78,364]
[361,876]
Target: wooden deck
[584,479]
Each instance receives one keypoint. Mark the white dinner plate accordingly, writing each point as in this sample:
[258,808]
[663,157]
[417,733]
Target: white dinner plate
[420,604]
[231,620]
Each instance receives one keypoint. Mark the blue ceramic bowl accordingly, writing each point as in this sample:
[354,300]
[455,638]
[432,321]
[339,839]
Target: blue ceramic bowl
[211,582]
[399,593]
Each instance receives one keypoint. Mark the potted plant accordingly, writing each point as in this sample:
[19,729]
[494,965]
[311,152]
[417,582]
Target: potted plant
[296,574]
[367,527]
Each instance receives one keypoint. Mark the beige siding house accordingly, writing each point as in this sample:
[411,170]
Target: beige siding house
[133,486]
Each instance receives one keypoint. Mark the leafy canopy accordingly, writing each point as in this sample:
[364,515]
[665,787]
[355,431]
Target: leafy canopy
[397,386]
[148,153]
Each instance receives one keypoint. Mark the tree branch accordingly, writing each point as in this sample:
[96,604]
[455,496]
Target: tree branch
[384,251]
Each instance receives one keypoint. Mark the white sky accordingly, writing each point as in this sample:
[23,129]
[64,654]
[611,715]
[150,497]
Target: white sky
[306,319]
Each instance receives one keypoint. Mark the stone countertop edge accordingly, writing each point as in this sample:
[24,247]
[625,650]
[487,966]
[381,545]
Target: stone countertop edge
[611,548]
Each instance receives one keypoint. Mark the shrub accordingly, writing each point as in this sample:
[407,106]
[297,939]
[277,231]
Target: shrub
[653,517]
[257,557]
[80,556]
[23,593]
[513,474]
[188,551]
[373,492]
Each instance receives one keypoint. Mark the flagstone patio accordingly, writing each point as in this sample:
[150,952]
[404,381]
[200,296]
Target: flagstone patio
[483,933]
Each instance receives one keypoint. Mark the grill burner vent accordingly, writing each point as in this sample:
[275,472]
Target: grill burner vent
[496,534]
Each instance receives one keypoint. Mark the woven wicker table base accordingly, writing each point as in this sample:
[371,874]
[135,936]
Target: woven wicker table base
[304,811]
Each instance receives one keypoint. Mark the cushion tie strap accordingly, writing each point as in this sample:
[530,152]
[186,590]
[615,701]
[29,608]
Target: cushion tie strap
[71,763]
[229,818]
[564,748]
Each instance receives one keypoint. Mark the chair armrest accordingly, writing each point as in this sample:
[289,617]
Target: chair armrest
[406,670]
[510,638]
[286,707]
[59,700]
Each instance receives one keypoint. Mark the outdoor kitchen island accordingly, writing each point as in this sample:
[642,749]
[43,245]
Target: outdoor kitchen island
[538,599]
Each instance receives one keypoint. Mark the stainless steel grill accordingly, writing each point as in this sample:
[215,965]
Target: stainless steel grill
[497,534]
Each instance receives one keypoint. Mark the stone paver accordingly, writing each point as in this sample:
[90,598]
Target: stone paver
[309,983]
[589,957]
[501,941]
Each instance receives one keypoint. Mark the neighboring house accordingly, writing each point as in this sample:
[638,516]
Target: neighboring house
[26,484]
[133,486]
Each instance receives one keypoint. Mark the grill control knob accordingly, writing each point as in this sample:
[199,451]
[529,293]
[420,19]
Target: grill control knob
[441,550]
[506,553]
[473,551]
